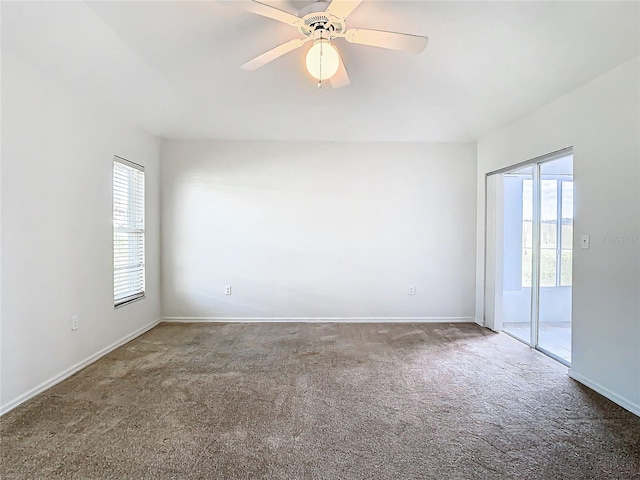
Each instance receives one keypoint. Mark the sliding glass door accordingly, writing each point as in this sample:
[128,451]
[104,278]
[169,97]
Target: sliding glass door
[556,253]
[517,252]
[529,253]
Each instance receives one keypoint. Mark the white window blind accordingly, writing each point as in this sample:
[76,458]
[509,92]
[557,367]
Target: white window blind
[128,231]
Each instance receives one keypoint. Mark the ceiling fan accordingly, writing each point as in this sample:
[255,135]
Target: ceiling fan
[321,22]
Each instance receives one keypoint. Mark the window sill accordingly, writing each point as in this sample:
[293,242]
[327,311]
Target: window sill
[129,300]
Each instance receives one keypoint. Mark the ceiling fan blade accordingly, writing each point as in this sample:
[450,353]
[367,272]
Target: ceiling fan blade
[395,41]
[340,79]
[274,53]
[271,12]
[342,8]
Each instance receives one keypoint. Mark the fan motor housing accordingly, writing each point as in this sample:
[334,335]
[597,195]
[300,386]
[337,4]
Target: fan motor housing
[315,18]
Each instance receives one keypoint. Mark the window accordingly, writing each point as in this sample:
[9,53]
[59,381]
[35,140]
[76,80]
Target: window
[556,232]
[566,232]
[128,231]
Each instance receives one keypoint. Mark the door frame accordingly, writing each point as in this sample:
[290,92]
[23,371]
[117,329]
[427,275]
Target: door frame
[490,257]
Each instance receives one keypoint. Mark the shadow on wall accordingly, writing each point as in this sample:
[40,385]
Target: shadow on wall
[327,236]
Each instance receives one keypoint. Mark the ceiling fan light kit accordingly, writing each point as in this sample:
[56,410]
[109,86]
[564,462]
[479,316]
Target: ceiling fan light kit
[322,22]
[322,60]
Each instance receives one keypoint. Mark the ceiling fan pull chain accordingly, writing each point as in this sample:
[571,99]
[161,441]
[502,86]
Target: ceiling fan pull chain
[320,66]
[320,58]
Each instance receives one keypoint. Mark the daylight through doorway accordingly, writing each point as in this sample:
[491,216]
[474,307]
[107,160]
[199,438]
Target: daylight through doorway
[530,245]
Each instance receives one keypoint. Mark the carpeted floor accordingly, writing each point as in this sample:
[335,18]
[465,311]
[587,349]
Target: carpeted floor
[321,401]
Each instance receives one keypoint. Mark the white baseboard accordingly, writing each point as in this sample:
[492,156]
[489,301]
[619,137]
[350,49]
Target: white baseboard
[75,368]
[605,392]
[318,319]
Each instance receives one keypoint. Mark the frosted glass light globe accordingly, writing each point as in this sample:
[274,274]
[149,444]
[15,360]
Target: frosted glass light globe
[322,60]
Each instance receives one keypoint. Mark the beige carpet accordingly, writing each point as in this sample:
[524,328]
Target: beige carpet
[321,401]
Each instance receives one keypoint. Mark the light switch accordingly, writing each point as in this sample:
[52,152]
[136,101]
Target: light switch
[584,242]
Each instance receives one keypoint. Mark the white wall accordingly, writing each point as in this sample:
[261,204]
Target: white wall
[57,231]
[318,230]
[601,120]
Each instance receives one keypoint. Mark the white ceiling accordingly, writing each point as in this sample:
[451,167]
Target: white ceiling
[173,67]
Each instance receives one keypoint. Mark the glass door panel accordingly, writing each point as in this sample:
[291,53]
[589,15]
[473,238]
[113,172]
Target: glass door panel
[556,251]
[517,252]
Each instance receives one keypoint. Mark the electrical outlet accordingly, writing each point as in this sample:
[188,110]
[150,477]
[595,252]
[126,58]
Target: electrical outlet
[412,290]
[74,322]
[227,289]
